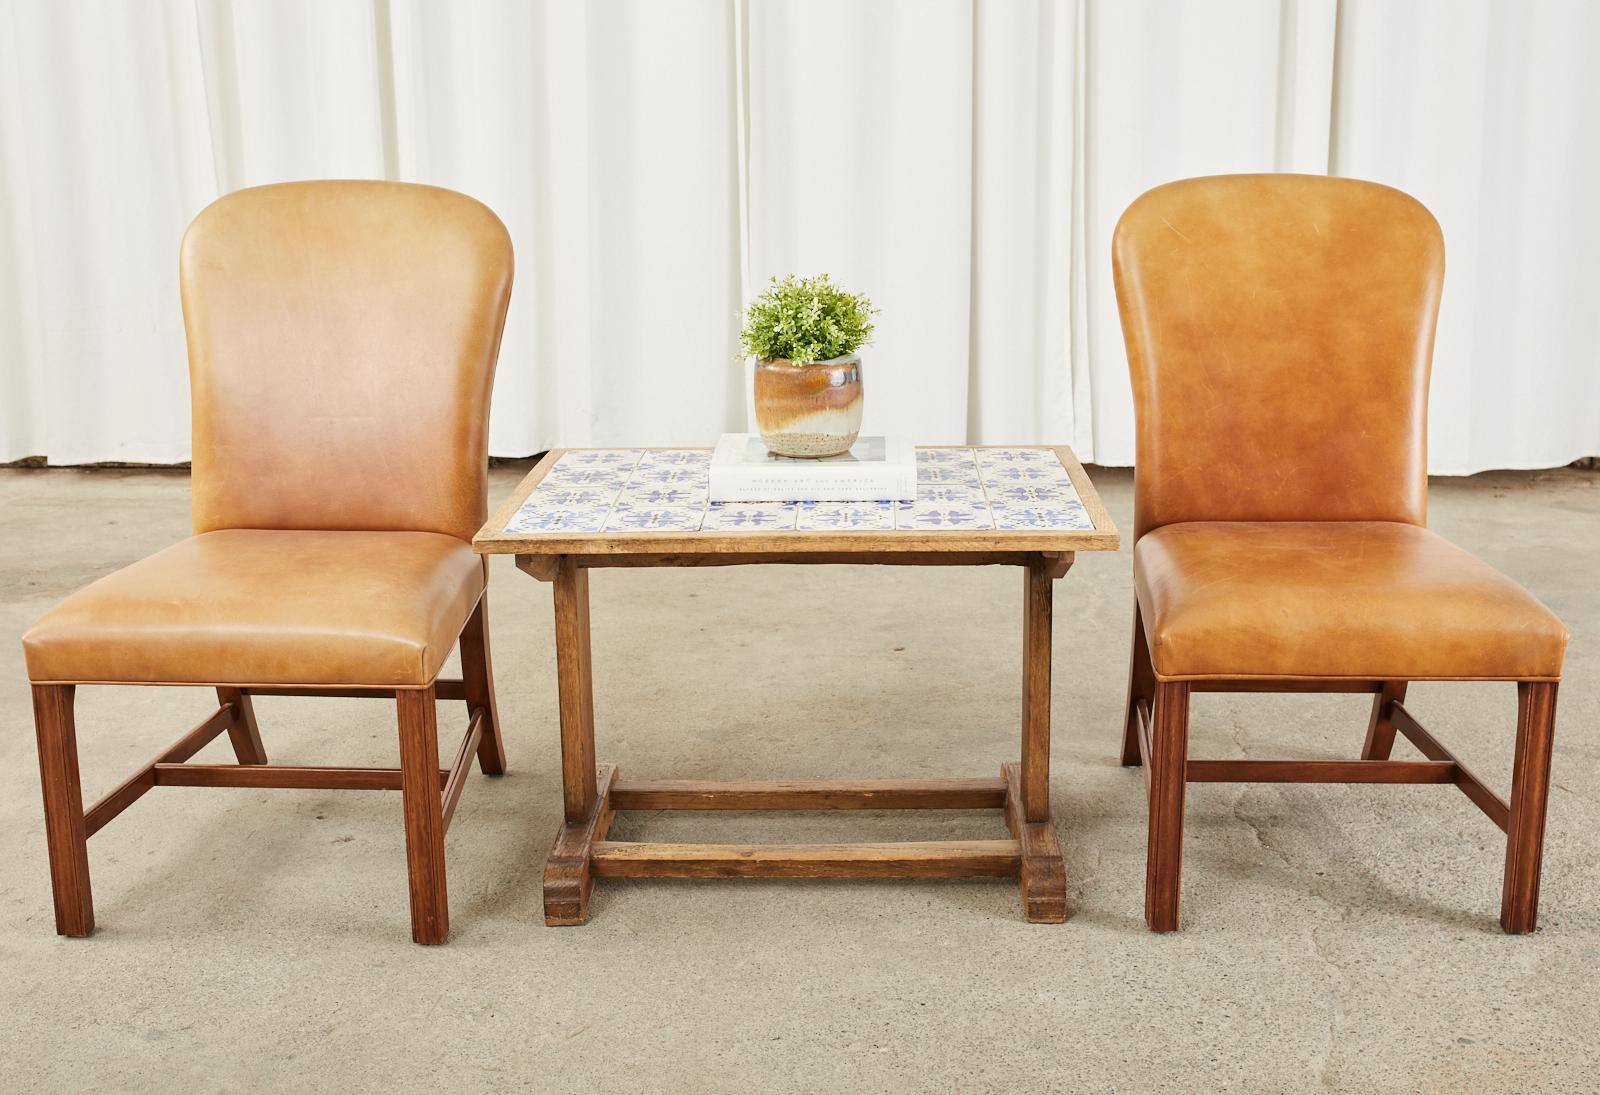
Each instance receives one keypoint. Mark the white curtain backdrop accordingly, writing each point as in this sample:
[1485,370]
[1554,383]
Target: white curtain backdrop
[962,161]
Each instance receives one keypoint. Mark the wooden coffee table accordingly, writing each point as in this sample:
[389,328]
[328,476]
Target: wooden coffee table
[583,509]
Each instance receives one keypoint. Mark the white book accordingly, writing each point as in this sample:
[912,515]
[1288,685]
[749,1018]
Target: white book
[875,469]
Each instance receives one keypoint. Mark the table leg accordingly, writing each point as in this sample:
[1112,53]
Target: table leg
[1044,879]
[575,683]
[568,876]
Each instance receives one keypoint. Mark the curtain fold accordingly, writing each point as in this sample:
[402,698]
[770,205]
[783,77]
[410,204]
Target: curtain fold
[861,141]
[604,136]
[106,160]
[1486,112]
[962,161]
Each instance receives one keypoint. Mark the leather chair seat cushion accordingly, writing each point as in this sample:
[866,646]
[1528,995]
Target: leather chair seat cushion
[1372,600]
[267,607]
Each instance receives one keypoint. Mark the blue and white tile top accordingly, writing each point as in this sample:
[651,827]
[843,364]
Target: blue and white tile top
[664,490]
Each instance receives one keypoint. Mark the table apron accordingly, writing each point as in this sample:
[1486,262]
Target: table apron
[1056,563]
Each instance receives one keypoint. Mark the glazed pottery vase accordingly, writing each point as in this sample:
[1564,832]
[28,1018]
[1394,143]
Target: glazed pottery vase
[809,410]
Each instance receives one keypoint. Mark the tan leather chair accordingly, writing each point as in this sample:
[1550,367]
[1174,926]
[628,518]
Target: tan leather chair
[1279,331]
[342,345]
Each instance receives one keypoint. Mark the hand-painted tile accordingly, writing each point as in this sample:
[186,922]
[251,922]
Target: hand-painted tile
[626,518]
[1032,494]
[935,516]
[662,495]
[944,456]
[947,473]
[958,494]
[1071,517]
[535,518]
[671,475]
[559,496]
[1025,473]
[598,476]
[844,516]
[591,458]
[675,458]
[751,516]
[1002,457]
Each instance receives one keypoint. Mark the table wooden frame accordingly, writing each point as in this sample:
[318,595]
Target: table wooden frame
[593,793]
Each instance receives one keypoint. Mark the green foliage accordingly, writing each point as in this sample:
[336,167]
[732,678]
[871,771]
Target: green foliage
[806,320]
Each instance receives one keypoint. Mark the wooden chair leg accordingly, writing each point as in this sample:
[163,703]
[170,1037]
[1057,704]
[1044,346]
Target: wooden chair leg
[1141,686]
[1530,794]
[477,679]
[1380,726]
[242,729]
[1169,756]
[419,787]
[63,808]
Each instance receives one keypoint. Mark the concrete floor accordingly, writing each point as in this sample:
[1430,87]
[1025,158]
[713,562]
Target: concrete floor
[1335,938]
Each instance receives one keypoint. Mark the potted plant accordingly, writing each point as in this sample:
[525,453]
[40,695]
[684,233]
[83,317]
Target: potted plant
[804,333]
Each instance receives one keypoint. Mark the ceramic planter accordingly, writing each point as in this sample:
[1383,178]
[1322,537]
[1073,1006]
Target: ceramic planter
[809,410]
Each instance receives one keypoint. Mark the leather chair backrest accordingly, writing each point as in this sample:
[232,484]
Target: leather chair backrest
[342,346]
[1279,331]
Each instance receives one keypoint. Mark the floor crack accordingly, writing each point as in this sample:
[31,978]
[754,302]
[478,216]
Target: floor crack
[1327,1062]
[1327,1071]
